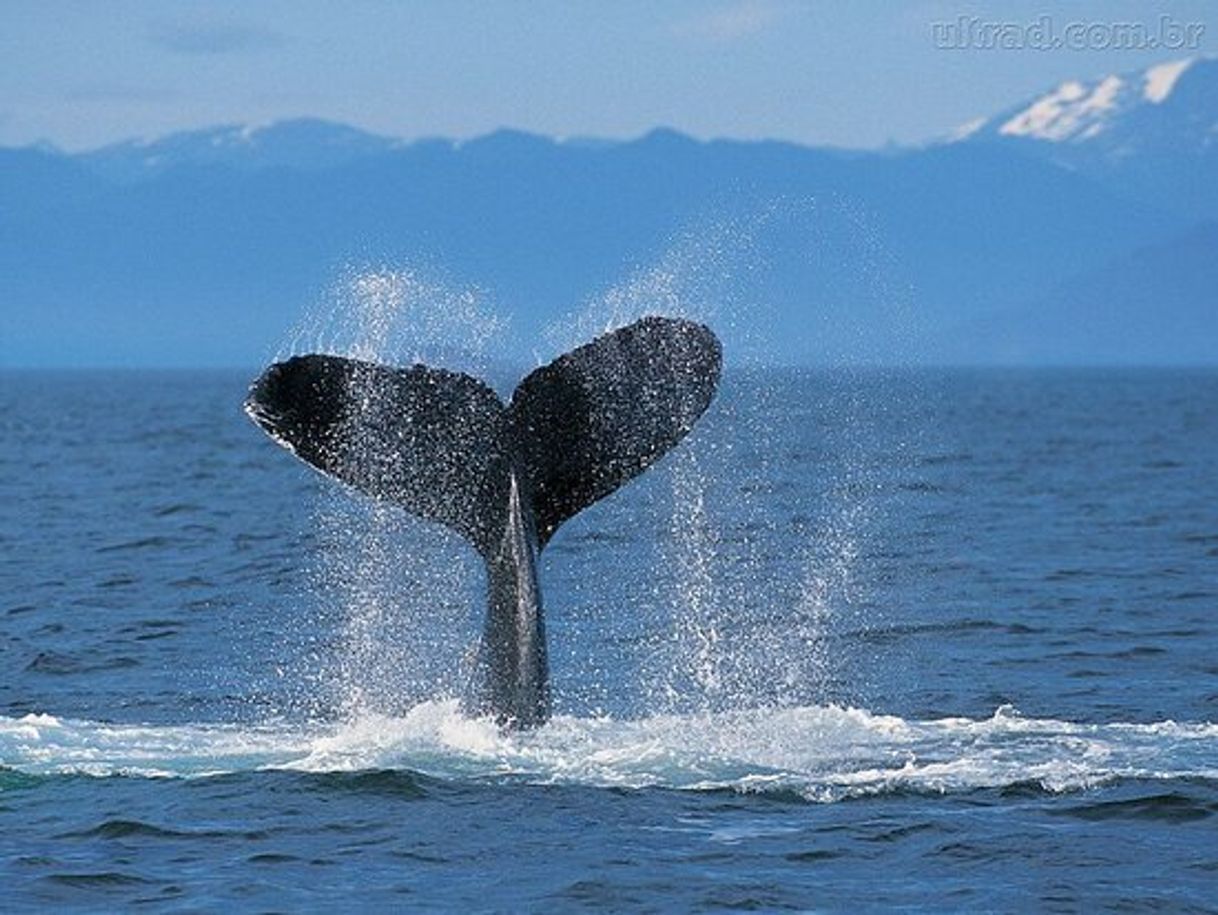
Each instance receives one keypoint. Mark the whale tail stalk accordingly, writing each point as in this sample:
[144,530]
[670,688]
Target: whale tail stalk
[445,447]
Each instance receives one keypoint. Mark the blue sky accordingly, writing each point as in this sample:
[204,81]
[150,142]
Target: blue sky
[856,74]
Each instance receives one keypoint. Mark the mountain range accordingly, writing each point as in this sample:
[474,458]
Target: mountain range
[1078,227]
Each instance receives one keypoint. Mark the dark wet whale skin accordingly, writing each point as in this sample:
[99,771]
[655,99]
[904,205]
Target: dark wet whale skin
[516,687]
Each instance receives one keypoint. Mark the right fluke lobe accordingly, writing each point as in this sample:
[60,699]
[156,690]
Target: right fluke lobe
[600,415]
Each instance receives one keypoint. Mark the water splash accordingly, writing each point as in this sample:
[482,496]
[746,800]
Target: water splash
[401,316]
[408,593]
[693,667]
[809,270]
[409,597]
[734,622]
[731,623]
[697,277]
[820,753]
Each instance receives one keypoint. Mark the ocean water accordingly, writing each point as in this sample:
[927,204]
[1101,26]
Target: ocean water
[941,640]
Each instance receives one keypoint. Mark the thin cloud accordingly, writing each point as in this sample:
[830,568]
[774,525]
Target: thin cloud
[731,23]
[215,38]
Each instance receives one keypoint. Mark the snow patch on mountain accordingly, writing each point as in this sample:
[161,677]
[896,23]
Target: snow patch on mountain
[1160,80]
[1072,110]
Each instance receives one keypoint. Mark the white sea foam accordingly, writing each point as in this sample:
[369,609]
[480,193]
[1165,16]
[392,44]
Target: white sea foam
[821,752]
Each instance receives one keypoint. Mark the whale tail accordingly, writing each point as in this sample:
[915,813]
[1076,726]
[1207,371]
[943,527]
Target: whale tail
[445,447]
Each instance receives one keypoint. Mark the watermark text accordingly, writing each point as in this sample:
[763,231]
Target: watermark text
[975,33]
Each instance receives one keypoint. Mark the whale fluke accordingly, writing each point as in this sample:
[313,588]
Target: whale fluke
[445,447]
[600,415]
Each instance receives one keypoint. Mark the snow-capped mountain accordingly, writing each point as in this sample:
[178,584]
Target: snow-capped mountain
[1151,134]
[1105,110]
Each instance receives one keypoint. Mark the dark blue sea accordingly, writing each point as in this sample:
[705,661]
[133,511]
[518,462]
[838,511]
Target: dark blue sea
[922,639]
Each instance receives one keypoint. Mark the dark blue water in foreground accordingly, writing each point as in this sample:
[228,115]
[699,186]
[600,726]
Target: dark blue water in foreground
[943,640]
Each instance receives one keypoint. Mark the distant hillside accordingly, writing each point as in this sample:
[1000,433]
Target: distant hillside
[307,144]
[205,247]
[1152,306]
